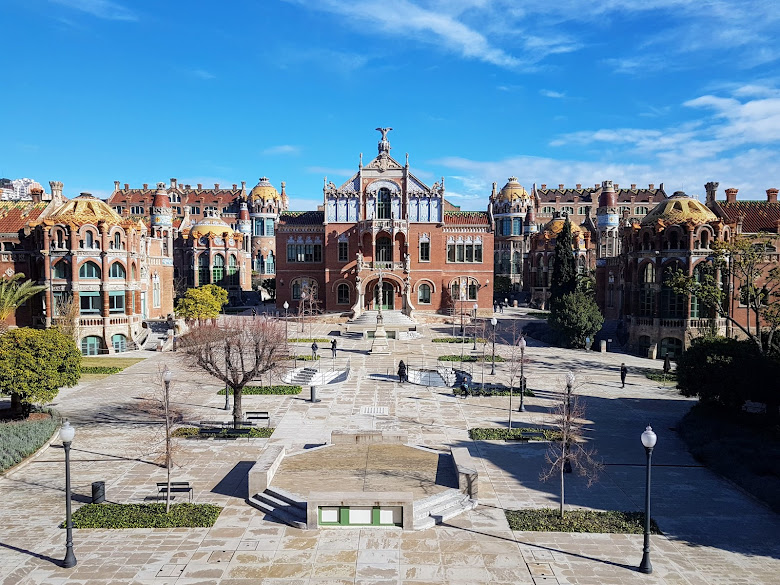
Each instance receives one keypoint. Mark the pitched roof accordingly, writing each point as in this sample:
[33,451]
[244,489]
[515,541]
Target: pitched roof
[187,194]
[759,216]
[591,195]
[466,218]
[302,217]
[14,215]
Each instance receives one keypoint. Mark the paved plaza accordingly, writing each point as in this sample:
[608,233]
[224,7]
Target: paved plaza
[713,532]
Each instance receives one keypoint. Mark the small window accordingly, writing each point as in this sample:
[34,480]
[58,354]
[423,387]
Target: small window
[425,251]
[61,269]
[117,243]
[89,240]
[450,252]
[424,294]
[90,303]
[116,302]
[343,251]
[137,210]
[343,294]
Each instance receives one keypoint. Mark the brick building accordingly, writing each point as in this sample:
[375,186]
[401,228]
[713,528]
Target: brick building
[431,256]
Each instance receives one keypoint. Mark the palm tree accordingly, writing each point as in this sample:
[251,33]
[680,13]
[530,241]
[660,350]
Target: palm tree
[14,293]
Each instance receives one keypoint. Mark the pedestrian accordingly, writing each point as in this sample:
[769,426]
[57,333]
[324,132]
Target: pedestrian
[501,306]
[623,374]
[495,306]
[333,348]
[314,348]
[254,312]
[402,372]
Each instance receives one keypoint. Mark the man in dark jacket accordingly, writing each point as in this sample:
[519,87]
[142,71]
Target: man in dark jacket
[623,374]
[402,372]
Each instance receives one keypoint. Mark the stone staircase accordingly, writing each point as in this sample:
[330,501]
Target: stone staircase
[303,377]
[282,505]
[440,507]
[389,317]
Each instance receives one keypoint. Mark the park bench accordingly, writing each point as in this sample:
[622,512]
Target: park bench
[231,433]
[176,486]
[258,415]
[528,435]
[210,432]
[214,423]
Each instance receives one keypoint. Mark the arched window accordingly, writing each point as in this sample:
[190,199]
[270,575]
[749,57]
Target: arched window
[61,269]
[232,271]
[270,264]
[134,272]
[117,270]
[59,240]
[455,290]
[89,240]
[705,239]
[218,270]
[117,243]
[517,263]
[296,290]
[342,294]
[383,203]
[90,345]
[473,290]
[203,269]
[424,294]
[646,243]
[89,270]
[383,249]
[647,291]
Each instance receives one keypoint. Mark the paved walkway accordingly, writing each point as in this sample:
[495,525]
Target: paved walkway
[714,533]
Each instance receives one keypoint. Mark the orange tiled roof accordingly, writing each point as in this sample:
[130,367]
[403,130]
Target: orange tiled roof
[759,216]
[14,215]
[466,218]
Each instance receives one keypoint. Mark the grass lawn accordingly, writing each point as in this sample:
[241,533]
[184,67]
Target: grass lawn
[549,520]
[90,362]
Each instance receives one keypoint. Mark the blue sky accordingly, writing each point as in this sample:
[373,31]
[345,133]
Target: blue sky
[572,91]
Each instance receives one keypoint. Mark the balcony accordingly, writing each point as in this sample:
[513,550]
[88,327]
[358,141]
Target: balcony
[391,226]
[381,265]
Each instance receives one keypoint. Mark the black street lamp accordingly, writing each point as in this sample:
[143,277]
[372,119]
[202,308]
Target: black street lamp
[570,379]
[67,433]
[493,322]
[522,345]
[475,327]
[648,440]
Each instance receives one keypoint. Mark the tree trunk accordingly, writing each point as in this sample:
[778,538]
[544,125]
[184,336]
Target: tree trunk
[563,465]
[237,414]
[16,403]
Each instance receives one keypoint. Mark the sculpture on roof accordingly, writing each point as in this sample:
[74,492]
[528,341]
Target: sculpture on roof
[384,132]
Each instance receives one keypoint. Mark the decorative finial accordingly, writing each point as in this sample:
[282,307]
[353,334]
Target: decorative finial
[361,160]
[407,159]
[384,144]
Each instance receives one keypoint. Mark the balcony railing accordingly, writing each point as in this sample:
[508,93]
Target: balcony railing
[382,265]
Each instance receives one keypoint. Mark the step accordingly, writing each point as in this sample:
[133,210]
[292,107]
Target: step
[286,497]
[454,510]
[281,514]
[434,504]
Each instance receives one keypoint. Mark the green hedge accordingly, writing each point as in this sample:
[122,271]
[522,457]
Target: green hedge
[275,390]
[23,438]
[469,358]
[549,520]
[498,434]
[458,340]
[302,358]
[100,370]
[309,340]
[145,516]
[254,433]
[661,377]
[476,391]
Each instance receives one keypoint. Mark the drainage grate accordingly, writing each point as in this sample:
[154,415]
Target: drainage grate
[373,410]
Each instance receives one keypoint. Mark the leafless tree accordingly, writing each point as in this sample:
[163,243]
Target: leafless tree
[67,313]
[514,365]
[570,450]
[236,350]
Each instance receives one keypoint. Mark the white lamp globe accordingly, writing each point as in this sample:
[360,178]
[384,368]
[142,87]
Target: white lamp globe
[67,432]
[570,379]
[521,343]
[649,438]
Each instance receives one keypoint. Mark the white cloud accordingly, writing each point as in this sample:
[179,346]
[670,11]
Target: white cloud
[552,94]
[282,149]
[104,9]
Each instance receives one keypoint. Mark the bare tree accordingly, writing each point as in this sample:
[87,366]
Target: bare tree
[569,451]
[67,313]
[514,365]
[236,350]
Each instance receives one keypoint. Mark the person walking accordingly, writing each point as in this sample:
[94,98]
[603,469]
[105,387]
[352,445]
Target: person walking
[314,348]
[495,306]
[623,374]
[402,372]
[254,312]
[333,348]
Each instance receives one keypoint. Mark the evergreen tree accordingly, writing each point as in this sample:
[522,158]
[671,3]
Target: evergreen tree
[575,317]
[564,276]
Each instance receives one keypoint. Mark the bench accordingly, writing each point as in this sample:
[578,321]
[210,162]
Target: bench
[176,486]
[210,432]
[214,423]
[527,436]
[231,433]
[258,415]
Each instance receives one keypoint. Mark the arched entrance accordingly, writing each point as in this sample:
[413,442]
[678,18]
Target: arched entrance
[387,297]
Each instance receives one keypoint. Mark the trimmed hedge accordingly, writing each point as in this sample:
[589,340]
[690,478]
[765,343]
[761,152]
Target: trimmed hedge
[254,433]
[469,358]
[458,340]
[515,434]
[100,370]
[610,522]
[20,439]
[661,377]
[275,390]
[301,358]
[145,516]
[309,340]
[477,391]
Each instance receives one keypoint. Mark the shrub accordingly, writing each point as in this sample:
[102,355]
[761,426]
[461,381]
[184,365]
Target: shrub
[458,340]
[575,316]
[309,340]
[661,377]
[301,358]
[100,370]
[275,390]
[254,433]
[186,432]
[145,516]
[515,434]
[20,439]
[502,391]
[469,358]
[610,522]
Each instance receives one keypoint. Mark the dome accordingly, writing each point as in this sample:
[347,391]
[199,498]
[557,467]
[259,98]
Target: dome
[512,191]
[555,225]
[85,209]
[679,208]
[264,190]
[210,225]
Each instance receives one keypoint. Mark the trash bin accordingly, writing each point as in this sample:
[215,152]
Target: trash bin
[314,394]
[98,492]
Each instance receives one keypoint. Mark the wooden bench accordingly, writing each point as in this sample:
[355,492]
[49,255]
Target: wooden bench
[258,415]
[176,486]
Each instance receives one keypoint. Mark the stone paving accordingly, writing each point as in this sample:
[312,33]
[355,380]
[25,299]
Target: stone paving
[713,532]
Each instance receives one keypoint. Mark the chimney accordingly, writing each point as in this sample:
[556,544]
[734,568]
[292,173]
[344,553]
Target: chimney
[579,186]
[712,191]
[560,186]
[146,186]
[200,186]
[56,189]
[596,186]
[771,195]
[617,186]
[127,186]
[544,186]
[216,186]
[116,185]
[235,186]
[173,182]
[633,186]
[731,195]
[651,186]
[36,194]
[243,186]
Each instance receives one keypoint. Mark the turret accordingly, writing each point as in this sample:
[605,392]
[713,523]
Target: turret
[530,226]
[162,212]
[244,223]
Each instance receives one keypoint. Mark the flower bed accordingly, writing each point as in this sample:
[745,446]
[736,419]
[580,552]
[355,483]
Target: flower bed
[118,516]
[20,439]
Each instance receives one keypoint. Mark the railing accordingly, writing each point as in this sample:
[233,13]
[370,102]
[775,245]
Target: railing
[90,321]
[383,265]
[389,225]
[677,323]
[643,320]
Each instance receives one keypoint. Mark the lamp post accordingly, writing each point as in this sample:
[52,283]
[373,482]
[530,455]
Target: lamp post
[302,308]
[522,345]
[493,322]
[67,433]
[648,441]
[476,306]
[570,379]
